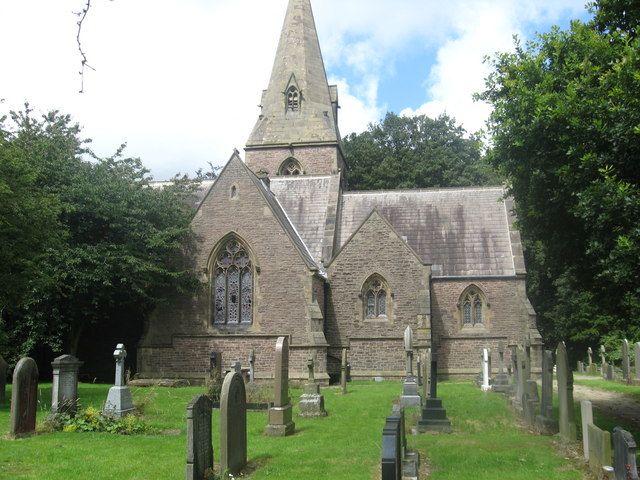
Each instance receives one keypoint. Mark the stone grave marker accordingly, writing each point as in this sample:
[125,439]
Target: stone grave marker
[545,420]
[599,448]
[280,423]
[521,368]
[233,423]
[391,461]
[410,459]
[515,374]
[215,364]
[199,444]
[410,395]
[486,386]
[64,390]
[343,371]
[426,365]
[530,402]
[637,362]
[119,402]
[580,367]
[433,415]
[24,398]
[624,455]
[311,401]
[626,367]
[590,355]
[501,383]
[586,413]
[419,368]
[603,361]
[4,368]
[610,374]
[252,361]
[565,394]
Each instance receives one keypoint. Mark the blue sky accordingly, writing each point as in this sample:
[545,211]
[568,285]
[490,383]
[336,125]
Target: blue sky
[180,80]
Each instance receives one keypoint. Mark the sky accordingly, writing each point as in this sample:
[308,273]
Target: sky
[179,81]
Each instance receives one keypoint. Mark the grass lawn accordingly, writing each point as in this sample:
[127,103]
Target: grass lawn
[345,445]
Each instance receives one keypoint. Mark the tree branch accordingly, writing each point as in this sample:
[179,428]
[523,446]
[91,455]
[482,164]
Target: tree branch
[82,15]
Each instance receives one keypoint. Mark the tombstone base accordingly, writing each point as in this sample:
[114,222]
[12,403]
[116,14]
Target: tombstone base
[410,465]
[434,417]
[119,402]
[280,423]
[546,424]
[312,405]
[410,395]
[501,383]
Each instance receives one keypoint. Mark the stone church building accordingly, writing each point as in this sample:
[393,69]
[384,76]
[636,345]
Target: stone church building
[286,249]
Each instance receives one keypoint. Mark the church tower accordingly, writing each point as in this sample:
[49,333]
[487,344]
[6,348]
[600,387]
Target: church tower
[297,130]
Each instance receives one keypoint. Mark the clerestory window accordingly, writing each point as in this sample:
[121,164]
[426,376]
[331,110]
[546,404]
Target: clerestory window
[472,304]
[374,295]
[232,285]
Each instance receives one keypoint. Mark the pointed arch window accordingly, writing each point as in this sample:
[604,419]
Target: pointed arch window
[290,166]
[374,294]
[293,98]
[233,285]
[473,305]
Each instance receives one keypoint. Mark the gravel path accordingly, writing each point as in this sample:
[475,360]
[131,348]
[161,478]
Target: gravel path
[613,404]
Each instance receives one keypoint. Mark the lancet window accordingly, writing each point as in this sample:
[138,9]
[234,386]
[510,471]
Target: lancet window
[293,99]
[375,293]
[472,305]
[232,285]
[290,167]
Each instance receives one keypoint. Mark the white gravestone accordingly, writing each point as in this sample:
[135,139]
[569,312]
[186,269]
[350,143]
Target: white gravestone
[119,401]
[485,370]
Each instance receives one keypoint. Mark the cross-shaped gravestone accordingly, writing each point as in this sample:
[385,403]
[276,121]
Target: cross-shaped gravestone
[311,403]
[119,401]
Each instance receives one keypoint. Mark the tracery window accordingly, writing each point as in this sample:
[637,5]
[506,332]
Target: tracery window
[472,307]
[290,167]
[233,285]
[293,99]
[375,297]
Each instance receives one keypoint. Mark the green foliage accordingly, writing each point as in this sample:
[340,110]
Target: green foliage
[92,420]
[85,240]
[566,133]
[214,386]
[415,152]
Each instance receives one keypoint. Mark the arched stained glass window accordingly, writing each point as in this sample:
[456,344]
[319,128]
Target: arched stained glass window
[472,307]
[375,296]
[233,285]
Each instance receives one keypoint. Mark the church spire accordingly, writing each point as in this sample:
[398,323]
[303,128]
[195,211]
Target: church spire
[298,107]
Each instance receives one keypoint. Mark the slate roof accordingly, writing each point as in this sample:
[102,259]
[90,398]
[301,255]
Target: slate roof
[461,232]
[305,200]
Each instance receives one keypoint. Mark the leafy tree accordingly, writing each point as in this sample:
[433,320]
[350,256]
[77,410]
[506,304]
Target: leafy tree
[96,244]
[415,152]
[566,133]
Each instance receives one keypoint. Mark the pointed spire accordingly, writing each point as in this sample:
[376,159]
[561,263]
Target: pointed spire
[298,107]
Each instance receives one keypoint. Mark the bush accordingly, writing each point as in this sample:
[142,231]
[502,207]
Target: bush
[92,420]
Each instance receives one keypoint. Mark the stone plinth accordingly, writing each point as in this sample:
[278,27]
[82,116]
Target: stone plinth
[434,417]
[410,393]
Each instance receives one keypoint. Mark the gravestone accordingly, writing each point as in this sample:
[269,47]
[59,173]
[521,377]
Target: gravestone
[4,368]
[565,395]
[410,395]
[515,374]
[603,361]
[419,369]
[599,448]
[580,367]
[199,445]
[252,361]
[236,367]
[626,367]
[64,391]
[586,413]
[530,402]
[433,415]
[637,362]
[609,375]
[590,355]
[119,402]
[624,455]
[215,365]
[545,420]
[522,377]
[409,459]
[233,423]
[311,401]
[501,382]
[280,423]
[391,455]
[343,371]
[426,383]
[24,398]
[486,386]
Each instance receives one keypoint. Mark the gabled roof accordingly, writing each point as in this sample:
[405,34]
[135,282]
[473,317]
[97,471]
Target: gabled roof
[298,61]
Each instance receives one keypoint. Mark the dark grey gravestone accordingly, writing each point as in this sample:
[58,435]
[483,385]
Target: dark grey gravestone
[343,371]
[545,420]
[4,368]
[567,425]
[64,390]
[280,423]
[119,402]
[530,402]
[311,402]
[233,424]
[24,398]
[433,415]
[586,413]
[199,445]
[637,360]
[391,456]
[626,366]
[609,375]
[624,455]
[410,459]
[599,448]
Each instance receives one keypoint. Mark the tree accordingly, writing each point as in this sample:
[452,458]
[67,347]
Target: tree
[566,133]
[415,152]
[97,244]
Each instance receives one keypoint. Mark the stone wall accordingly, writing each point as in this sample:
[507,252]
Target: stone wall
[314,160]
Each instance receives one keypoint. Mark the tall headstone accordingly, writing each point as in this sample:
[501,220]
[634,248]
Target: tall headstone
[410,394]
[545,420]
[64,391]
[501,382]
[426,366]
[4,368]
[637,362]
[522,377]
[199,445]
[311,401]
[419,368]
[590,355]
[24,397]
[485,370]
[233,423]
[565,394]
[530,402]
[599,448]
[515,375]
[119,402]
[343,371]
[603,361]
[252,361]
[586,412]
[433,415]
[609,375]
[280,423]
[626,367]
[624,455]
